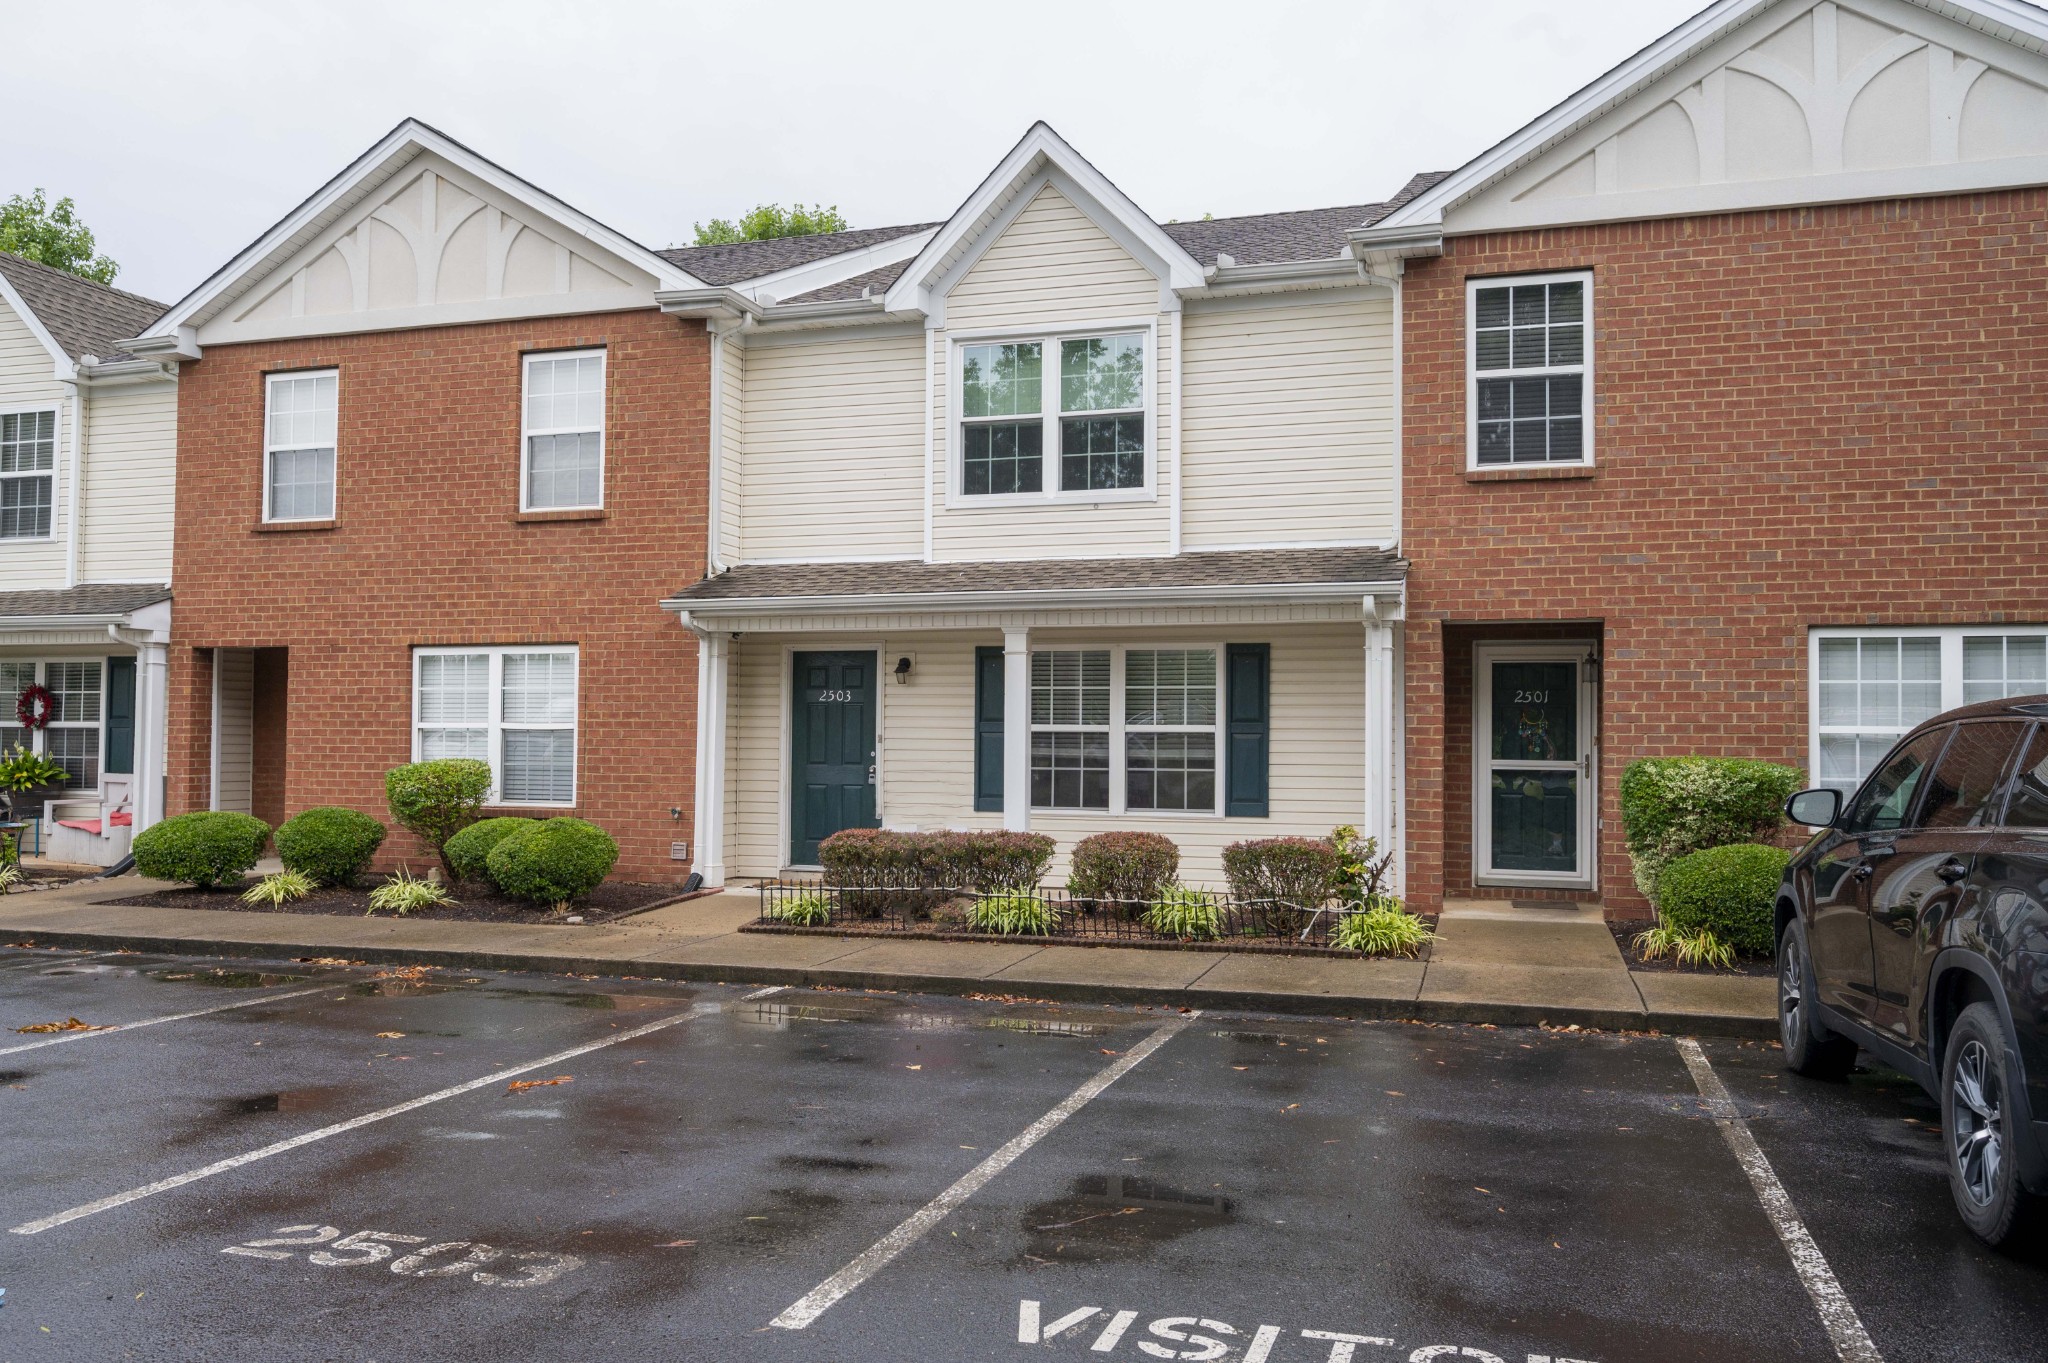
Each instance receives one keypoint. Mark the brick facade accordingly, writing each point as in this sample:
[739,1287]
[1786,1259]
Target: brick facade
[428,547]
[1829,416]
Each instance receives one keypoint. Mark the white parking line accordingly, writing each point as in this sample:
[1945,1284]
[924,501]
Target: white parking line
[872,1260]
[63,1037]
[498,1076]
[1837,1316]
[46,957]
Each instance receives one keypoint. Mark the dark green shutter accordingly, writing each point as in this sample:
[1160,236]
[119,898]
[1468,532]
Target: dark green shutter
[120,715]
[988,729]
[1249,709]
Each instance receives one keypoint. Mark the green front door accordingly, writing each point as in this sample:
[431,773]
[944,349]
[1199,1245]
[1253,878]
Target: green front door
[832,749]
[1535,766]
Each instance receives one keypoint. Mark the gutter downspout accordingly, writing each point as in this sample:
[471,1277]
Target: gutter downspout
[75,512]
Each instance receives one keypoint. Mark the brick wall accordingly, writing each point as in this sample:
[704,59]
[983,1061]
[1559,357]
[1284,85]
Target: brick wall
[1832,416]
[428,547]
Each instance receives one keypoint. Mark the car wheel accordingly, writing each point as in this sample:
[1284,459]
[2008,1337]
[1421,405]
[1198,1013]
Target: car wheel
[1976,1121]
[1810,1049]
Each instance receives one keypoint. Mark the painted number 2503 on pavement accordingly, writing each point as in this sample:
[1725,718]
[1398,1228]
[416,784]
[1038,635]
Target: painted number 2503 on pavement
[482,1263]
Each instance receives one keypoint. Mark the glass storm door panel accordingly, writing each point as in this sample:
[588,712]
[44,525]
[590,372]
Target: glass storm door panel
[832,749]
[1533,770]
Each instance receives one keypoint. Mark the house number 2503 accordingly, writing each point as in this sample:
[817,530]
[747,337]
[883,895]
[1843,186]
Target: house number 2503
[841,697]
[1532,698]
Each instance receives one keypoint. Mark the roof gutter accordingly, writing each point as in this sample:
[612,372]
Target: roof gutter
[179,344]
[1227,275]
[709,304]
[1276,593]
[1382,252]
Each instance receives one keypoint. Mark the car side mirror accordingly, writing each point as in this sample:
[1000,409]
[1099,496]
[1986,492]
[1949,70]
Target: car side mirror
[1815,808]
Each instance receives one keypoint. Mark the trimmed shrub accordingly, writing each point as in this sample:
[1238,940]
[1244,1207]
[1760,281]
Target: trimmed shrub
[1731,892]
[468,850]
[330,845]
[1674,806]
[552,861]
[880,871]
[1127,869]
[207,849]
[438,799]
[1301,872]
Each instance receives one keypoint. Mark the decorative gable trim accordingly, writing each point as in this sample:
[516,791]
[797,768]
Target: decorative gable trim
[1041,157]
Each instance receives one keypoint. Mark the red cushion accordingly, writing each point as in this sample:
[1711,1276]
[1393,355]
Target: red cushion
[122,818]
[82,825]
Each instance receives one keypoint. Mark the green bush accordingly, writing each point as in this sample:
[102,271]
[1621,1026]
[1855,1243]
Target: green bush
[403,895]
[468,850]
[10,855]
[438,799]
[1362,869]
[1385,929]
[803,911]
[1191,915]
[880,871]
[1013,912]
[1126,869]
[1302,873]
[206,850]
[1674,806]
[1731,892]
[552,861]
[330,845]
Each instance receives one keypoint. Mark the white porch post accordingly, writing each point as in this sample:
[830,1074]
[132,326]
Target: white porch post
[152,712]
[1017,730]
[708,818]
[1379,730]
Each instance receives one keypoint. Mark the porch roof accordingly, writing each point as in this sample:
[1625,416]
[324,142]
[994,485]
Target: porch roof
[1230,574]
[96,599]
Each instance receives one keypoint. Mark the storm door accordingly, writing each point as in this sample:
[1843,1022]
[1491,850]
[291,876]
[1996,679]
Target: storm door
[1534,745]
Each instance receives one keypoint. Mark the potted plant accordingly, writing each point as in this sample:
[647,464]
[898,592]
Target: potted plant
[23,772]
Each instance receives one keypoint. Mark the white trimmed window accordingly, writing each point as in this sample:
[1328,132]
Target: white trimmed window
[562,440]
[1529,375]
[28,474]
[1126,729]
[1090,392]
[72,737]
[298,445]
[513,707]
[1871,686]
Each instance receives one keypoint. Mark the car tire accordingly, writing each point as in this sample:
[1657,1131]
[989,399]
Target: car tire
[1977,1128]
[1810,1048]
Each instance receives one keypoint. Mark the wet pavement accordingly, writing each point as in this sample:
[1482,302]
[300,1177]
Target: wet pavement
[710,1160]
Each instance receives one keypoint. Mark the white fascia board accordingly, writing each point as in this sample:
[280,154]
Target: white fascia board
[713,302]
[1221,280]
[1040,147]
[2010,20]
[798,280]
[65,369]
[1078,597]
[390,154]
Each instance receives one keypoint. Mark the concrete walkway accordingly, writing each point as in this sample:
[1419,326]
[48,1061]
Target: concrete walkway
[1491,962]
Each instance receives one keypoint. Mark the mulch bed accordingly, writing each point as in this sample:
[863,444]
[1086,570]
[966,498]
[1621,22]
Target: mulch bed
[1625,937]
[1101,935]
[474,903]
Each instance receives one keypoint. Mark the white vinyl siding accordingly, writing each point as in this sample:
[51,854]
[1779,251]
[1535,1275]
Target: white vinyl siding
[1288,431]
[301,415]
[834,449]
[130,480]
[561,449]
[234,680]
[1051,266]
[27,382]
[514,707]
[732,465]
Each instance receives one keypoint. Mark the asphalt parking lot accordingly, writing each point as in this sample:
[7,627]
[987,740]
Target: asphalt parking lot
[306,1161]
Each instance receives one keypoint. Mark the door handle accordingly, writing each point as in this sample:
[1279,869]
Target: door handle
[871,774]
[1952,870]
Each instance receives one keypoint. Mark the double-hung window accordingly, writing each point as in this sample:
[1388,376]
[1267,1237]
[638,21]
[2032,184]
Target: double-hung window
[513,707]
[1529,381]
[1870,686]
[1089,391]
[562,440]
[28,474]
[298,445]
[72,737]
[1125,729]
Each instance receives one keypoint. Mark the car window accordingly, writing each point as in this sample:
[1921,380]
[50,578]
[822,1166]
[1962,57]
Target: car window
[1886,800]
[2029,805]
[1962,791]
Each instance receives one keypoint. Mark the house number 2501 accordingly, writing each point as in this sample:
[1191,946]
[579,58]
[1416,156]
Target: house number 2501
[1532,698]
[473,1259]
[842,697]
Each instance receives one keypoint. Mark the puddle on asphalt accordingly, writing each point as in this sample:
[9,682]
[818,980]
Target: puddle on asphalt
[287,1100]
[225,979]
[776,1016]
[1116,1216]
[1045,1027]
[13,1076]
[397,989]
[88,970]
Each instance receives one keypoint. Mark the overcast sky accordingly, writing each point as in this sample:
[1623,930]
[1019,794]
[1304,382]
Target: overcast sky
[184,130]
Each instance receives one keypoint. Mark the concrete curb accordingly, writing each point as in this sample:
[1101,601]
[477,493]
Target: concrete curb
[1745,1026]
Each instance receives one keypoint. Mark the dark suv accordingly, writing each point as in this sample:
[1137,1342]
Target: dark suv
[1915,925]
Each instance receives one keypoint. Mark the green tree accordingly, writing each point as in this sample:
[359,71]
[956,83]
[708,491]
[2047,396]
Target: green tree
[32,227]
[770,221]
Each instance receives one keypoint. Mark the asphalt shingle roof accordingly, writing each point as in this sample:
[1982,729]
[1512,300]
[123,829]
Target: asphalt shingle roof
[1233,568]
[741,260]
[83,317]
[100,599]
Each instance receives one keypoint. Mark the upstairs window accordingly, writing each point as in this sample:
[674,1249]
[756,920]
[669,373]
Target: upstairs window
[562,443]
[1089,391]
[1529,392]
[28,478]
[298,446]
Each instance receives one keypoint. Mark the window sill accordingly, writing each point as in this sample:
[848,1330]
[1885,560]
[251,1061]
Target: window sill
[583,513]
[505,811]
[1530,473]
[288,527]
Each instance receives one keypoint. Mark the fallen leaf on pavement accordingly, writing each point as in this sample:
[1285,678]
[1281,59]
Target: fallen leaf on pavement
[1477,1189]
[913,1067]
[522,1085]
[1240,1067]
[679,1244]
[1290,1107]
[1107,1051]
[1395,1093]
[391,1036]
[67,1025]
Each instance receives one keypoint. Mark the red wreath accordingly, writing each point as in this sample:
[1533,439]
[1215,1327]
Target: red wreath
[35,707]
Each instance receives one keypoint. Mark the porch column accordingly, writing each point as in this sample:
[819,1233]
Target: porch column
[1017,730]
[708,818]
[1379,820]
[152,715]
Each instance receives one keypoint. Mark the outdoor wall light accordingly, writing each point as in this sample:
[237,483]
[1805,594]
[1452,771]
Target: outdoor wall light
[903,670]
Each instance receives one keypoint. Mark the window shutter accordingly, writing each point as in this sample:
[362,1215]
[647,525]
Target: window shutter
[1249,710]
[988,729]
[120,715]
